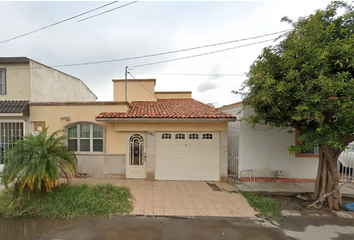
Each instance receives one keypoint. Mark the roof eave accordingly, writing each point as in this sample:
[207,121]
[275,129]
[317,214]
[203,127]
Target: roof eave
[166,119]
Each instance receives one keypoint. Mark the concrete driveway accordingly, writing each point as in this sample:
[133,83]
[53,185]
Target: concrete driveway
[182,198]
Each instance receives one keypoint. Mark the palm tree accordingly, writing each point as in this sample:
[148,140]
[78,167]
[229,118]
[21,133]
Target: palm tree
[35,162]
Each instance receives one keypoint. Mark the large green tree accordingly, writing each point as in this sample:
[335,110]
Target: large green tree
[306,82]
[35,162]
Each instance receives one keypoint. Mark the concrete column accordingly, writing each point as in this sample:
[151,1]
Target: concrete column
[223,156]
[150,156]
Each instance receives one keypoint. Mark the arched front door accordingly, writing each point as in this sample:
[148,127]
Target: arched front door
[136,156]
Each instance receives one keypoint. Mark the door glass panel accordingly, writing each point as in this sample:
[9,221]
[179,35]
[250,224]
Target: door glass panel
[136,150]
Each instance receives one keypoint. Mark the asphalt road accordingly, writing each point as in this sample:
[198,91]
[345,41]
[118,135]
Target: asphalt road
[151,228]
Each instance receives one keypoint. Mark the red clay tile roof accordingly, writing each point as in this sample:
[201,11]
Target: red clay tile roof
[168,108]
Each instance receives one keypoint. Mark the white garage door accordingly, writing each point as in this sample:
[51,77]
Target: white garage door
[187,156]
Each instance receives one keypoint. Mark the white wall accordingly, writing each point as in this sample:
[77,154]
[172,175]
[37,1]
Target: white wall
[265,150]
[50,85]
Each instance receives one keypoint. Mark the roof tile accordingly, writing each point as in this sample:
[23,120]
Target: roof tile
[168,108]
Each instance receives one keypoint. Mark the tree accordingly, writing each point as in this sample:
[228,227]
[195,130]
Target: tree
[35,162]
[306,82]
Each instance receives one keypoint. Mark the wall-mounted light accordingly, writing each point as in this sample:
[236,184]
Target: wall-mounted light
[64,118]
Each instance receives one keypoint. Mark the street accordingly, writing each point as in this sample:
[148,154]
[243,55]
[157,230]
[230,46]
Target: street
[155,228]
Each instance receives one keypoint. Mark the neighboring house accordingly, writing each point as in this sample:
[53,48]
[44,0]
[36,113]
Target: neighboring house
[23,80]
[152,135]
[261,152]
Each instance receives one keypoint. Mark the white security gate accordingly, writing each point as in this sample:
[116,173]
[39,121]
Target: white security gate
[9,131]
[232,156]
[346,166]
[187,156]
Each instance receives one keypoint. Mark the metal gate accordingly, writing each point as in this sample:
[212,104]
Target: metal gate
[346,166]
[232,156]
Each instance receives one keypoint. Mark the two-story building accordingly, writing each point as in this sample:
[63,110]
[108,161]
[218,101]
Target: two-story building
[23,80]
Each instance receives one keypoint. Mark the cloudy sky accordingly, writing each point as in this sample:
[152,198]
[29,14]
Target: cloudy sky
[145,28]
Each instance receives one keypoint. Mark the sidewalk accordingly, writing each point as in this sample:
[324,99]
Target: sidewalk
[284,188]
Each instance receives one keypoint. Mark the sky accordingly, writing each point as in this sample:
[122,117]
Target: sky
[146,28]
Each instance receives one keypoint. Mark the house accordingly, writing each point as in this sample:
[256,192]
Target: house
[261,153]
[142,134]
[23,80]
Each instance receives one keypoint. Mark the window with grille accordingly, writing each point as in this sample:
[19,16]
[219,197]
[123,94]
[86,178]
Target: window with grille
[85,138]
[207,136]
[9,132]
[180,136]
[166,136]
[193,136]
[2,81]
[313,152]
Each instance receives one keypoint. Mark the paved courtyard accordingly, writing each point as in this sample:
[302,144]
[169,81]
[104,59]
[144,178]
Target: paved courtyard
[182,198]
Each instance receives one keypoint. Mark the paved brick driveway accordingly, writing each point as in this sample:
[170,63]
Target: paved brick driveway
[182,198]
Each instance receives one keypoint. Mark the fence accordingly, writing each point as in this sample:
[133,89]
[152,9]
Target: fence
[346,166]
[232,156]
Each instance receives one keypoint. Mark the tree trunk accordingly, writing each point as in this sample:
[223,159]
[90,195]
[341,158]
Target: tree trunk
[327,178]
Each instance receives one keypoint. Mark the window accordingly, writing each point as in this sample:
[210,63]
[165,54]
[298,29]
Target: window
[193,136]
[9,131]
[207,136]
[179,136]
[38,126]
[2,81]
[85,138]
[313,152]
[166,136]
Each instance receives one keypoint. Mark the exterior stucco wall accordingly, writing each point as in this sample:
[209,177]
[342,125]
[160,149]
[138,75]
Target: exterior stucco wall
[50,85]
[137,90]
[265,150]
[223,156]
[171,126]
[102,165]
[17,82]
[150,156]
[114,141]
[173,95]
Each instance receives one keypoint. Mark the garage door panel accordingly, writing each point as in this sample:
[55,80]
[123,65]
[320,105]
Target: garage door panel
[187,159]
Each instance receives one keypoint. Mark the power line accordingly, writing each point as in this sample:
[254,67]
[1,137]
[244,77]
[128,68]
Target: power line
[143,86]
[170,52]
[51,25]
[198,55]
[107,11]
[197,74]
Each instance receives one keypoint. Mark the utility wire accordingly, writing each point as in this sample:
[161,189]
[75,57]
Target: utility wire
[107,11]
[143,86]
[51,25]
[196,74]
[198,55]
[164,53]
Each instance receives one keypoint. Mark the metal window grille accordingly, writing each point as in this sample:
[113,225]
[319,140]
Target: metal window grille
[9,132]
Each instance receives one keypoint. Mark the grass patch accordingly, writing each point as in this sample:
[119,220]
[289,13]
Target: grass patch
[69,202]
[268,206]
